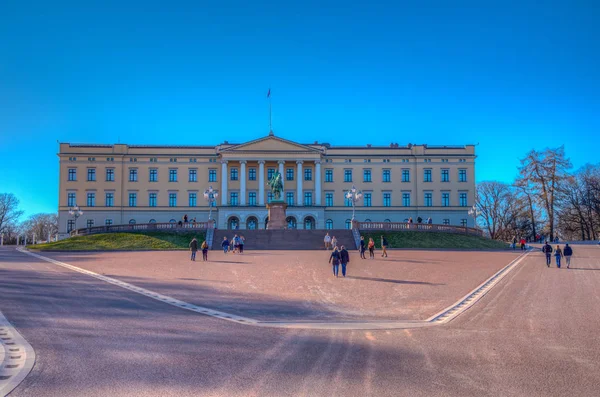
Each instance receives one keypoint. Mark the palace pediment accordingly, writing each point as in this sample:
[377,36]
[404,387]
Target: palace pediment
[270,145]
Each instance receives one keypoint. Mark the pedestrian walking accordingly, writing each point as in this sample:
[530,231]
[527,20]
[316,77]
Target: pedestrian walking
[371,247]
[344,259]
[568,252]
[236,244]
[429,221]
[334,241]
[547,249]
[242,241]
[194,248]
[334,259]
[384,245]
[185,218]
[514,244]
[204,248]
[225,244]
[327,241]
[362,247]
[558,254]
[523,243]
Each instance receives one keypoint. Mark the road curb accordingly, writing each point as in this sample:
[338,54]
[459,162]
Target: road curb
[17,357]
[440,318]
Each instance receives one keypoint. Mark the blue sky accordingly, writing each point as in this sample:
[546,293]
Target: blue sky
[510,76]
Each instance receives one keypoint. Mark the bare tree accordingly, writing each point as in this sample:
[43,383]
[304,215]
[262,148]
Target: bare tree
[41,225]
[9,211]
[544,172]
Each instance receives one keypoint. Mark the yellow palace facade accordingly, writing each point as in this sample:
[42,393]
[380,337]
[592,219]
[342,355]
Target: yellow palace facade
[121,184]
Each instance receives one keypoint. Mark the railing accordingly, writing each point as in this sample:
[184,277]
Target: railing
[142,227]
[417,227]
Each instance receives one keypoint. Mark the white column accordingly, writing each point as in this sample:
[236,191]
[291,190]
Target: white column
[223,182]
[243,182]
[261,182]
[299,182]
[318,182]
[281,171]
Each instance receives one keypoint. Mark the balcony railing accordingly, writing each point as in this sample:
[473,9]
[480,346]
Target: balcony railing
[419,227]
[142,227]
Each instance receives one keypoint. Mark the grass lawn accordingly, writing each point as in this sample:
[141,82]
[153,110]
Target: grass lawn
[124,241]
[433,240]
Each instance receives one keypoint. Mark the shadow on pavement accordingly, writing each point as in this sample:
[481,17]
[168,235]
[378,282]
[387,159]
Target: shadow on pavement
[387,280]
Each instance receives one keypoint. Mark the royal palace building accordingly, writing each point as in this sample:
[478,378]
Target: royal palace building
[120,184]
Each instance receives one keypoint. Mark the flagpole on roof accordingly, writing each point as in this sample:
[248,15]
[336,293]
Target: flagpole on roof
[270,113]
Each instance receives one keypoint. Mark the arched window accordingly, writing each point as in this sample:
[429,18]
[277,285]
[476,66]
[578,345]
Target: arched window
[233,223]
[132,221]
[387,220]
[251,223]
[329,224]
[172,221]
[152,221]
[348,224]
[309,223]
[368,220]
[291,222]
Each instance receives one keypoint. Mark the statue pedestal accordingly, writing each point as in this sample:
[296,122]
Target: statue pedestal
[276,215]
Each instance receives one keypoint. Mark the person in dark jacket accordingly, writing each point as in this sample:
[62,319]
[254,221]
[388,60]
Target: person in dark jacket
[362,247]
[194,248]
[384,245]
[547,249]
[567,252]
[225,244]
[204,248]
[344,259]
[334,259]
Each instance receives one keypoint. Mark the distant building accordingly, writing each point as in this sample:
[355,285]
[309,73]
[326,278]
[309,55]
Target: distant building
[120,184]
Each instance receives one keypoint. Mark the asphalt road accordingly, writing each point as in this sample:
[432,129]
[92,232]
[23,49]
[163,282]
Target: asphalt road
[535,334]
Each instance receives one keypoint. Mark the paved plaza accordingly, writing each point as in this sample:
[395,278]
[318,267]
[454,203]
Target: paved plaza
[534,334]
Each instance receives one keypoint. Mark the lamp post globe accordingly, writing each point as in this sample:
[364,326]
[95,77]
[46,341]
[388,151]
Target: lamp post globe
[353,195]
[75,212]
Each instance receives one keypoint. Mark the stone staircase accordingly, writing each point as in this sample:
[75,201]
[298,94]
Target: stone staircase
[285,239]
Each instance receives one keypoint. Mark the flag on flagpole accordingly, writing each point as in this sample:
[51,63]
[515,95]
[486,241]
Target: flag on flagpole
[269,93]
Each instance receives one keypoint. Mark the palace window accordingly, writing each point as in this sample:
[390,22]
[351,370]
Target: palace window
[173,175]
[308,199]
[463,222]
[252,198]
[152,199]
[405,175]
[133,199]
[270,173]
[91,174]
[308,174]
[233,198]
[428,199]
[462,199]
[446,222]
[367,200]
[108,222]
[387,199]
[110,175]
[91,199]
[172,199]
[329,199]
[90,223]
[348,224]
[328,175]
[427,176]
[233,174]
[251,174]
[289,198]
[445,199]
[133,175]
[445,175]
[269,197]
[329,224]
[212,175]
[109,199]
[462,175]
[153,175]
[347,175]
[193,175]
[386,176]
[70,225]
[72,174]
[347,201]
[366,175]
[71,199]
[289,174]
[192,200]
[406,199]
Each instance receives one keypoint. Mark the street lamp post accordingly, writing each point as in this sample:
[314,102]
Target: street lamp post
[353,195]
[474,212]
[75,212]
[211,196]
